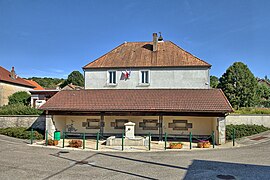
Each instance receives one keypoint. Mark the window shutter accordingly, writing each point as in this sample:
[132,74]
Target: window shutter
[171,125]
[84,124]
[141,124]
[189,125]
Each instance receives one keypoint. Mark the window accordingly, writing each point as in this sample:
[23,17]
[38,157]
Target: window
[180,125]
[91,124]
[144,77]
[149,124]
[112,77]
[119,123]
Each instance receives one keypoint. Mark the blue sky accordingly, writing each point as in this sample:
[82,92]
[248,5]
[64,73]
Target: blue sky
[53,38]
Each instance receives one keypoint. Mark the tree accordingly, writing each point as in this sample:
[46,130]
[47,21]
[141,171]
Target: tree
[240,86]
[75,78]
[20,97]
[47,82]
[214,81]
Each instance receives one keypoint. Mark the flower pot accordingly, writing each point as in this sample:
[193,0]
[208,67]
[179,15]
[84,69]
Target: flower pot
[206,144]
[176,145]
[200,144]
[55,142]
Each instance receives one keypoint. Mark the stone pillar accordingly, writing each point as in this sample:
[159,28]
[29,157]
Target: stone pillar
[221,122]
[50,126]
[129,130]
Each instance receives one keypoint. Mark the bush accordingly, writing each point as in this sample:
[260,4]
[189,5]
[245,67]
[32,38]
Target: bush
[20,132]
[20,97]
[244,130]
[19,109]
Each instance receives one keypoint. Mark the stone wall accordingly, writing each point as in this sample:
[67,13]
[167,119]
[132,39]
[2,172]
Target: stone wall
[36,122]
[249,119]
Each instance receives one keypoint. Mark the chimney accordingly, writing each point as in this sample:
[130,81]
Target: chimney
[154,42]
[12,73]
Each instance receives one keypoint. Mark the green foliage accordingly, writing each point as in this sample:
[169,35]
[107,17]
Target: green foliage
[244,130]
[75,78]
[20,97]
[264,91]
[240,86]
[47,82]
[20,132]
[214,81]
[265,103]
[252,111]
[19,109]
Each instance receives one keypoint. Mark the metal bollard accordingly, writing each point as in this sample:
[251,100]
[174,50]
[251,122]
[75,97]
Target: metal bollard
[165,146]
[83,140]
[46,137]
[149,147]
[64,135]
[97,140]
[31,136]
[123,140]
[213,139]
[233,137]
[190,140]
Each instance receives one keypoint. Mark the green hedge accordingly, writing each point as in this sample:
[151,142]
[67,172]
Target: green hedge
[252,111]
[20,132]
[19,109]
[244,130]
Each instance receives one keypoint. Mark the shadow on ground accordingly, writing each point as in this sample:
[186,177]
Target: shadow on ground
[202,169]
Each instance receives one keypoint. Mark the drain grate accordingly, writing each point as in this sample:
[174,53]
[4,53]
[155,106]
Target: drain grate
[227,177]
[63,152]
[258,138]
[81,162]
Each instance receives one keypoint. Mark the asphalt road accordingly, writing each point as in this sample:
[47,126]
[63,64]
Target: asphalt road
[21,161]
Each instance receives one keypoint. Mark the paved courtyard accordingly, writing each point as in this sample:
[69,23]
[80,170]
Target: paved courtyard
[21,161]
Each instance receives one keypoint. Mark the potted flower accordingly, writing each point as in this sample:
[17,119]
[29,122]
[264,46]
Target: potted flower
[176,145]
[203,144]
[75,143]
[52,142]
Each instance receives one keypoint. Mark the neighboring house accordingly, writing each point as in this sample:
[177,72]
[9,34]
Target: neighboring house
[11,83]
[263,81]
[157,85]
[39,95]
[72,87]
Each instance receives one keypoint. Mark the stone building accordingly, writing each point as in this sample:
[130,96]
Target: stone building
[11,83]
[156,85]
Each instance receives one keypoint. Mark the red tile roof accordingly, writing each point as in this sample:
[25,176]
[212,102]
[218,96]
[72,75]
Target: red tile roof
[162,100]
[34,83]
[5,76]
[140,54]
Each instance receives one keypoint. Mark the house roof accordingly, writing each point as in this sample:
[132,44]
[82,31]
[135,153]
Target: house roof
[72,87]
[34,83]
[140,100]
[140,54]
[6,77]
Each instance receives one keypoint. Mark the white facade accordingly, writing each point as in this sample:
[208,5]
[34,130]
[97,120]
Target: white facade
[159,78]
